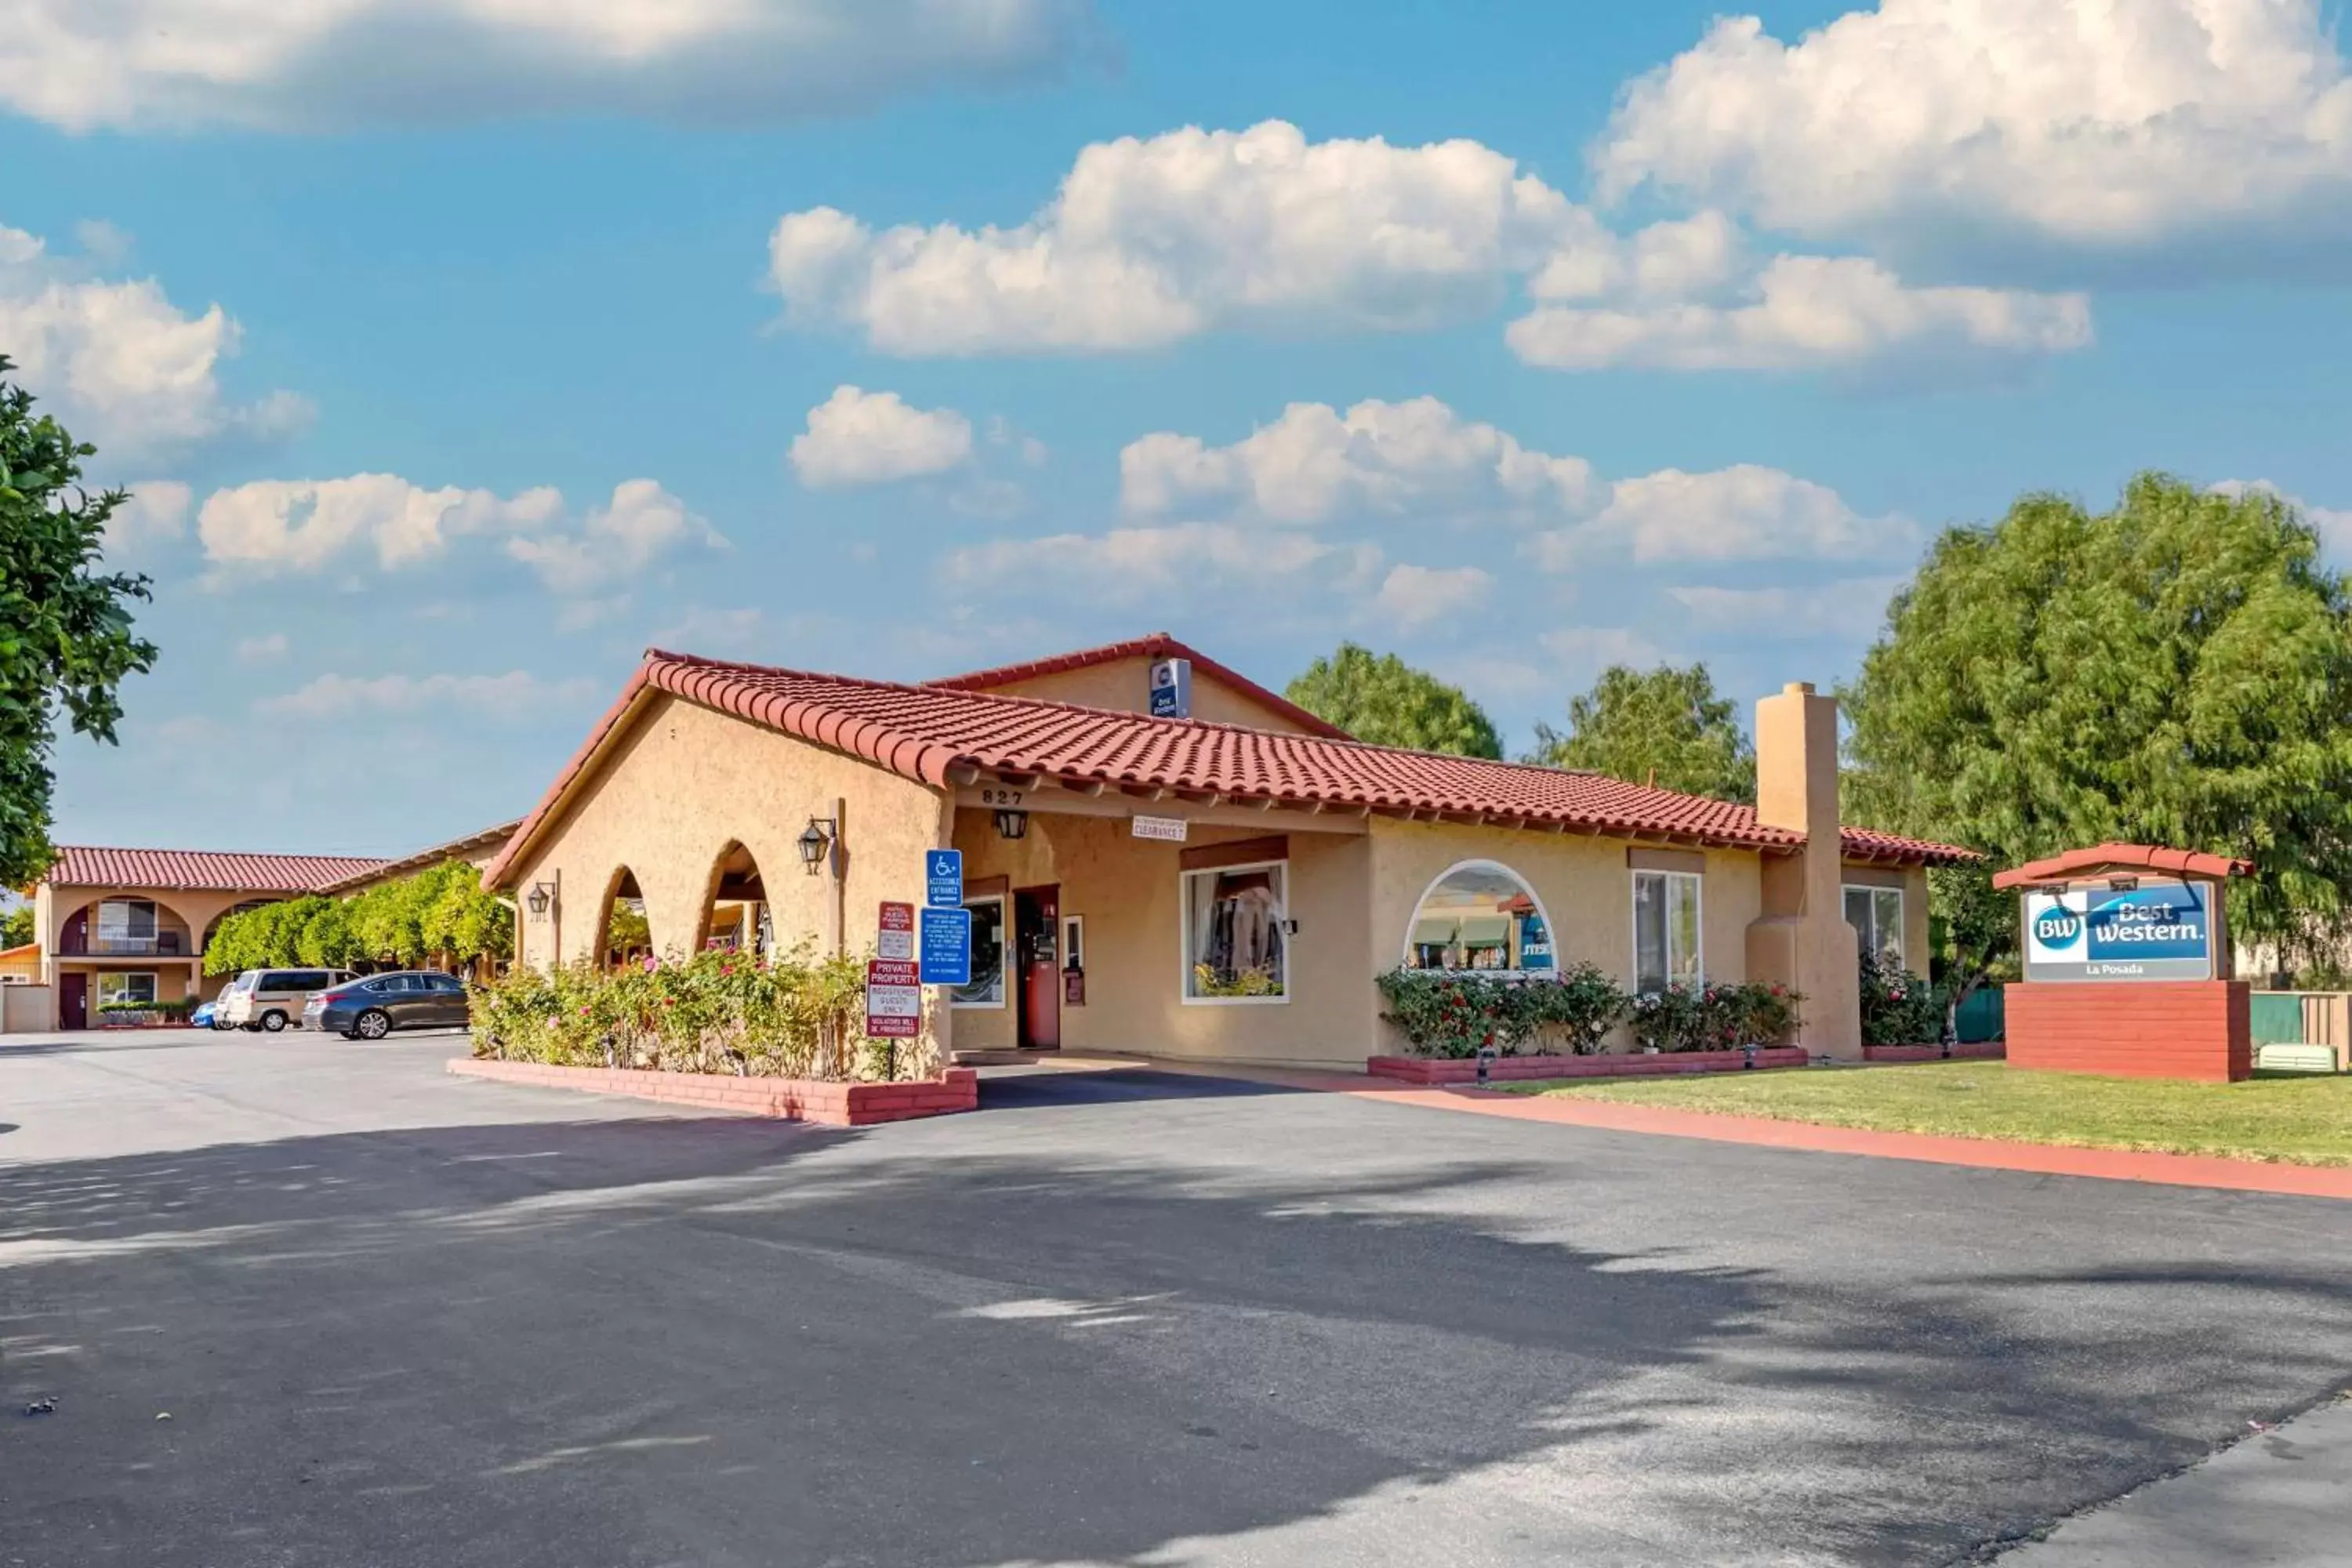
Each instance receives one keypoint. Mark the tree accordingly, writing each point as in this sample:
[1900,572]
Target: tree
[1382,699]
[2176,671]
[1666,727]
[64,626]
[17,926]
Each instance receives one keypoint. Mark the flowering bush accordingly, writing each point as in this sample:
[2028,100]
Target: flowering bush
[1714,1017]
[792,1016]
[1456,1013]
[1898,1008]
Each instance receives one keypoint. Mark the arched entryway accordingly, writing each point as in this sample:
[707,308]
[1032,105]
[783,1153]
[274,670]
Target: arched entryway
[628,935]
[735,913]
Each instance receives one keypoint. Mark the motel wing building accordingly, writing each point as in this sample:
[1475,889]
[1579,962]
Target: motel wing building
[1221,886]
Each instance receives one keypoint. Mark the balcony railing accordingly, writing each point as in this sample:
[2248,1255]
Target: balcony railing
[163,944]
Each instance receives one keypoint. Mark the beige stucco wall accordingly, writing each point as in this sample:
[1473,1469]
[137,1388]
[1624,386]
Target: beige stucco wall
[190,914]
[1583,884]
[1125,685]
[1127,889]
[683,783]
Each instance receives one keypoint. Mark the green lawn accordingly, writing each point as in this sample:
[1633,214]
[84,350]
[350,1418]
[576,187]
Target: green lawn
[2297,1119]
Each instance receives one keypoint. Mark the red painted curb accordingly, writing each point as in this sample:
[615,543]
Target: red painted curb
[788,1098]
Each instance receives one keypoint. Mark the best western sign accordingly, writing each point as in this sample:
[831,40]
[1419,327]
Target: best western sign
[2156,930]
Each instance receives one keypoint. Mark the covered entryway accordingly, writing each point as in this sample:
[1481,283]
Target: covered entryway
[1036,946]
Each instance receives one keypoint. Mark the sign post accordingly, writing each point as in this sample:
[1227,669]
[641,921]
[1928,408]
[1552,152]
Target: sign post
[894,999]
[943,878]
[946,947]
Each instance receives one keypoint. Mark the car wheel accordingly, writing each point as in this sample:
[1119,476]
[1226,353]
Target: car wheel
[372,1025]
[273,1020]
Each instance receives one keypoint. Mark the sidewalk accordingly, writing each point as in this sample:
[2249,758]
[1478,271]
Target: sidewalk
[2281,1498]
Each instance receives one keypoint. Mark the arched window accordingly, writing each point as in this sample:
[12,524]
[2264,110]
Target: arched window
[626,936]
[1480,916]
[736,917]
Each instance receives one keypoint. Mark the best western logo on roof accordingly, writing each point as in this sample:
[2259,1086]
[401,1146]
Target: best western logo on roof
[2158,930]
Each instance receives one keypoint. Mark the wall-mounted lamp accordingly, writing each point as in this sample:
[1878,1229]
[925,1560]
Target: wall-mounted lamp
[815,840]
[1012,823]
[541,895]
[2123,884]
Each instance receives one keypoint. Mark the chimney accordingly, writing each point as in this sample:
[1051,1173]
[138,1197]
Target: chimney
[1801,940]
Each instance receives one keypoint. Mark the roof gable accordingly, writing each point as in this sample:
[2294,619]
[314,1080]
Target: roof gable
[1045,681]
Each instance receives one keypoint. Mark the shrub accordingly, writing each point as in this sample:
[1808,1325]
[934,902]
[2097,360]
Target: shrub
[721,1012]
[1898,1008]
[1714,1017]
[1455,1013]
[125,1011]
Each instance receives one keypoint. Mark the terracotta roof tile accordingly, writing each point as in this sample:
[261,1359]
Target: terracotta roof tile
[464,848]
[941,736]
[200,870]
[1153,644]
[2123,857]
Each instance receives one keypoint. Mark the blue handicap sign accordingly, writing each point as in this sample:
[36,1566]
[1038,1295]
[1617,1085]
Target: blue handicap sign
[946,947]
[943,878]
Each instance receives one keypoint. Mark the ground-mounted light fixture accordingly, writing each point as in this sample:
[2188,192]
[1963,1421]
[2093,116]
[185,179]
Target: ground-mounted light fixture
[815,840]
[1011,824]
[541,895]
[2123,884]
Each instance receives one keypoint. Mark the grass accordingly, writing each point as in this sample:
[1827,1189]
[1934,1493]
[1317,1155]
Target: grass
[2294,1120]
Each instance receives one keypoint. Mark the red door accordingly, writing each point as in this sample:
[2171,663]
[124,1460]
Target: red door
[73,1000]
[1037,928]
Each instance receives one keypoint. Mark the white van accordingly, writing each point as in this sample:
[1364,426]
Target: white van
[272,999]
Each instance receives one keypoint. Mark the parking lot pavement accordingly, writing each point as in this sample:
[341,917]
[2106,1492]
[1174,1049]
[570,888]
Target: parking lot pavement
[1113,1318]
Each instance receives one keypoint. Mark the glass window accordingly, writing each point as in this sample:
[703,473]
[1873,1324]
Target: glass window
[1235,948]
[126,920]
[114,988]
[1074,942]
[987,987]
[1665,931]
[1479,916]
[1876,914]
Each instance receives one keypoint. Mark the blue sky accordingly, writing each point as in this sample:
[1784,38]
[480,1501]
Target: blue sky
[1514,338]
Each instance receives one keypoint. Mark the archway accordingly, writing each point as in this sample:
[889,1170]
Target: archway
[625,934]
[735,913]
[249,906]
[1481,915]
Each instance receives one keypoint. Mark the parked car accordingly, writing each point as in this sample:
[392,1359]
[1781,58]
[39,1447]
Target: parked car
[272,999]
[373,1007]
[207,1017]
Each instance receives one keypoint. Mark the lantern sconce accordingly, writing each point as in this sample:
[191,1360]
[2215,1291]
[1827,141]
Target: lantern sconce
[815,841]
[1012,823]
[542,894]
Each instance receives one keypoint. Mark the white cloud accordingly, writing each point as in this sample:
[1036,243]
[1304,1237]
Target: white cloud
[117,363]
[1154,240]
[1852,608]
[859,437]
[1413,597]
[1128,565]
[267,649]
[301,64]
[1312,463]
[1581,653]
[1805,311]
[1741,513]
[706,630]
[518,694]
[278,527]
[2334,524]
[616,541]
[156,512]
[2092,123]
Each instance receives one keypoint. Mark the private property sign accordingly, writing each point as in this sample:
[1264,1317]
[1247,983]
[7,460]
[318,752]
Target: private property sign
[2153,930]
[894,999]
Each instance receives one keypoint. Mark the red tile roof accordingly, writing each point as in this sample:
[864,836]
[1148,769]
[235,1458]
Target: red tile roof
[200,870]
[945,737]
[1152,644]
[2123,858]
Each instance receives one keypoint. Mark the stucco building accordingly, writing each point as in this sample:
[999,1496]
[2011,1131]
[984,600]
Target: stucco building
[130,925]
[1225,885]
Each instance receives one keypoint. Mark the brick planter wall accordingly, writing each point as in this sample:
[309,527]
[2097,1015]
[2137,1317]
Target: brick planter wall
[2158,1028]
[790,1098]
[1977,1051]
[1504,1069]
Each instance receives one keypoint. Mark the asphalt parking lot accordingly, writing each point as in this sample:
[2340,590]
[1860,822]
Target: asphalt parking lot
[397,1318]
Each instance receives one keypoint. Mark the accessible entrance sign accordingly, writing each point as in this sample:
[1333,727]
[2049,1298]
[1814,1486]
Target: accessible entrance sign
[946,947]
[943,878]
[2155,931]
[894,999]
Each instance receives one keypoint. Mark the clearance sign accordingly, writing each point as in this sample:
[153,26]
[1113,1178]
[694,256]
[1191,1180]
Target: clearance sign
[2157,930]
